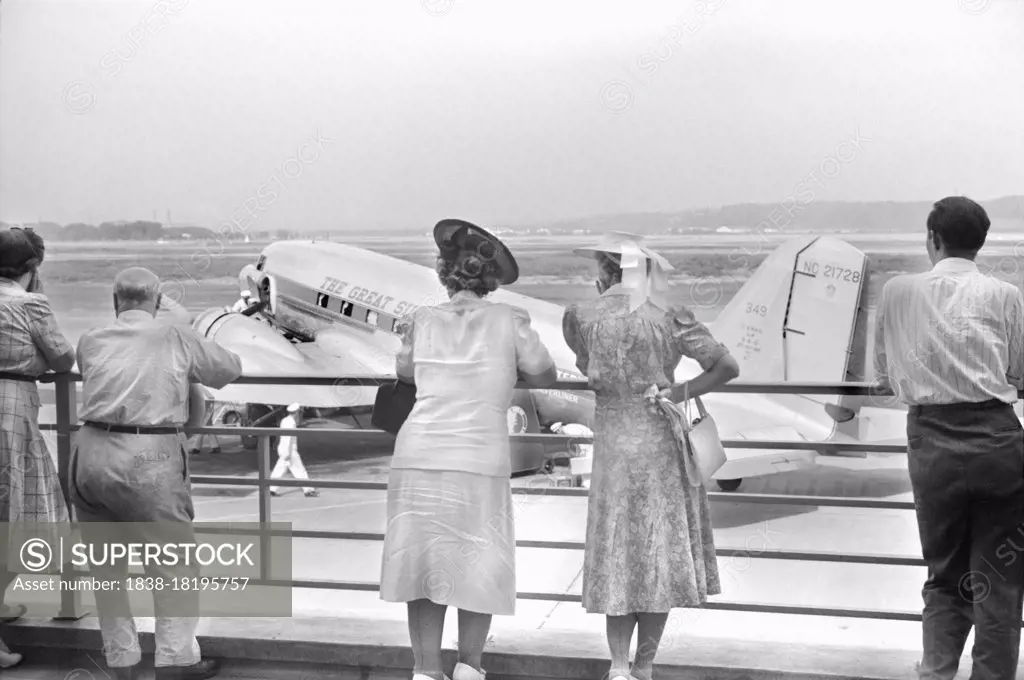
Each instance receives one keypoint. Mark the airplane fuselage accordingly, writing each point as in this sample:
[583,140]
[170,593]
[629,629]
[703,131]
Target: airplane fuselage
[313,289]
[335,309]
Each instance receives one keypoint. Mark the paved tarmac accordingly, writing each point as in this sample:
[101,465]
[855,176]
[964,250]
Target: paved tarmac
[753,528]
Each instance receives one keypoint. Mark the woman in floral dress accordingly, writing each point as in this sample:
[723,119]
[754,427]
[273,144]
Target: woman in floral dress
[649,546]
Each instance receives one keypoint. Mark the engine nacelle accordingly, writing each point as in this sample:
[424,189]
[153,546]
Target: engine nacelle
[236,330]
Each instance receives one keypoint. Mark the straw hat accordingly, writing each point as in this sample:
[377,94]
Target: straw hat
[460,235]
[630,252]
[621,243]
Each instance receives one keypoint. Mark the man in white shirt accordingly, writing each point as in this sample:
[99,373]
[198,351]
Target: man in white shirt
[288,453]
[243,302]
[950,344]
[129,466]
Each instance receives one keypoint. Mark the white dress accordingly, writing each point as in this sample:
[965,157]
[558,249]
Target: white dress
[450,534]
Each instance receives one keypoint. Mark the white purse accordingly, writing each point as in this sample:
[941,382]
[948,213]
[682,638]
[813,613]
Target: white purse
[704,444]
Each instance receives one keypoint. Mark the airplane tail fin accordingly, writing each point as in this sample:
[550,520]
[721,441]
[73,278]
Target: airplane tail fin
[802,318]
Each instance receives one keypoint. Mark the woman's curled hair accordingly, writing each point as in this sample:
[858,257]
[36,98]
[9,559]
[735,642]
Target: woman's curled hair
[21,252]
[468,270]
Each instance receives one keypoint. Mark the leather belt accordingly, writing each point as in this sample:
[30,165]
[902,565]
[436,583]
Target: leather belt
[988,405]
[4,375]
[134,429]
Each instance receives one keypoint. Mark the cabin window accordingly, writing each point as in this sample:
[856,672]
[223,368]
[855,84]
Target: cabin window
[346,308]
[322,299]
[371,318]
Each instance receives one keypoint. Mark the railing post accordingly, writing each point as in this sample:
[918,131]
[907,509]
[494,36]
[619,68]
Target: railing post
[263,467]
[67,415]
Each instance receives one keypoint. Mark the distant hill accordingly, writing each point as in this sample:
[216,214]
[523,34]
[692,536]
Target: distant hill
[1007,214]
[122,230]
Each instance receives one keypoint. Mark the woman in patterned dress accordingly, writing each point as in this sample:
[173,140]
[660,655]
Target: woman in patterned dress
[649,545]
[30,344]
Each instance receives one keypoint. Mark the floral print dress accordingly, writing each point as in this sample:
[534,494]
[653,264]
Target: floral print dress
[649,545]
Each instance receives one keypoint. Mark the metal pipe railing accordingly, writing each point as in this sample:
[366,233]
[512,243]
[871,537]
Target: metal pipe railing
[67,419]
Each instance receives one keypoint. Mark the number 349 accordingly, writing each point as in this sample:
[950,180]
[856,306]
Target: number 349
[760,310]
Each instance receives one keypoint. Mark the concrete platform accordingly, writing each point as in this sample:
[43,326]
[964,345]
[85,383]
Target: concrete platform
[350,648]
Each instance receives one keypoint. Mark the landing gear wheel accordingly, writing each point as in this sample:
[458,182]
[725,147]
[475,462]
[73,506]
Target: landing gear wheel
[549,466]
[254,413]
[728,484]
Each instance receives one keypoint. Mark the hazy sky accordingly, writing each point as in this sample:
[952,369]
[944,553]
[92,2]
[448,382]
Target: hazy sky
[498,110]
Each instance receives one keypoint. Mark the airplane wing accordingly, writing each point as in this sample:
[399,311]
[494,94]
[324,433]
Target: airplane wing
[756,417]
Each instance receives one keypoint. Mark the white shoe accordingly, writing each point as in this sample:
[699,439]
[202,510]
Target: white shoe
[464,672]
[9,659]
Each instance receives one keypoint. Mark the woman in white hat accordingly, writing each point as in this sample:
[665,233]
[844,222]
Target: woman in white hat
[649,546]
[450,537]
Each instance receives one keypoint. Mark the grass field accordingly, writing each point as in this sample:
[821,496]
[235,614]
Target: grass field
[546,262]
[78,277]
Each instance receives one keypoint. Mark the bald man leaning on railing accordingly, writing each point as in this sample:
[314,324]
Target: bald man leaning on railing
[129,463]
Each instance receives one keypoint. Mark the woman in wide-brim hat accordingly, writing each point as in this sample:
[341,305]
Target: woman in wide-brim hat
[450,537]
[649,546]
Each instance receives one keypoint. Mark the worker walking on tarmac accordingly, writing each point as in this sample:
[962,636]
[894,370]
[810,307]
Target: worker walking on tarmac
[129,468]
[288,459]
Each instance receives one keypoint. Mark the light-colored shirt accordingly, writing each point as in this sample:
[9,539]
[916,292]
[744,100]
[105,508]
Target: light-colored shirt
[240,306]
[287,444]
[578,430]
[465,357]
[950,335]
[137,371]
[575,430]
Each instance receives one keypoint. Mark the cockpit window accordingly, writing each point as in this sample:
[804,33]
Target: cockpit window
[261,262]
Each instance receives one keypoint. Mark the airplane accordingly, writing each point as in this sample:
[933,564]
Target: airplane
[325,308]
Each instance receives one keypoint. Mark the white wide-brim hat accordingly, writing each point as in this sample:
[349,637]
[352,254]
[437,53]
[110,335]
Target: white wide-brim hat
[293,408]
[622,243]
[632,255]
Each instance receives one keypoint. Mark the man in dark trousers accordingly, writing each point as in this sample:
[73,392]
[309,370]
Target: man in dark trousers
[129,463]
[950,343]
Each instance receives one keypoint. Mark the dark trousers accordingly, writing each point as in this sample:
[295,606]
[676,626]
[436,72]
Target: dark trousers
[966,466]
